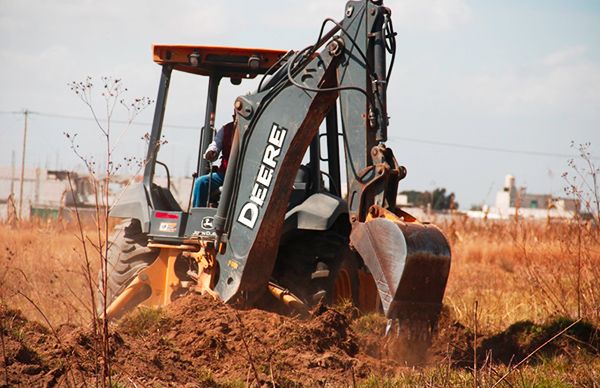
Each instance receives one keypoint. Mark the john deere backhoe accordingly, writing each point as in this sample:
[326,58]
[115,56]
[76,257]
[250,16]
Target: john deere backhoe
[284,233]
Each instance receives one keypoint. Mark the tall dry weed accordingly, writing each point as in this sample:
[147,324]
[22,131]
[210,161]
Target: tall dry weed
[524,269]
[42,260]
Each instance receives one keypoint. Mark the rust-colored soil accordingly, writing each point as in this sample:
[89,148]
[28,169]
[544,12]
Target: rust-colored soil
[197,341]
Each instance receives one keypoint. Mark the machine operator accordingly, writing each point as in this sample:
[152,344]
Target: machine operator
[220,144]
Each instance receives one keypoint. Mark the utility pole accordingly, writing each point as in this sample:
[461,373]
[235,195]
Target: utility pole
[26,114]
[12,172]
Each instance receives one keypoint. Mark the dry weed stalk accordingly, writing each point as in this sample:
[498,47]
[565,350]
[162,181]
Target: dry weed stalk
[4,358]
[475,384]
[525,270]
[246,347]
[572,277]
[66,353]
[112,95]
[583,182]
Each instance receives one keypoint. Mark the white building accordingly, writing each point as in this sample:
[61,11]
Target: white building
[512,201]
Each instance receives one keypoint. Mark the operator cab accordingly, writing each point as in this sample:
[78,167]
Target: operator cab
[169,220]
[172,220]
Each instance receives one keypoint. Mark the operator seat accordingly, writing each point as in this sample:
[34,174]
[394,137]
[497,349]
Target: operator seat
[163,199]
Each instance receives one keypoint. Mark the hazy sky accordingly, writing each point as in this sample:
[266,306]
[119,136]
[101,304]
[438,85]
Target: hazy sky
[517,75]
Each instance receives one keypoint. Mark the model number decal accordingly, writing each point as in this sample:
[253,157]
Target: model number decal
[168,227]
[262,183]
[203,233]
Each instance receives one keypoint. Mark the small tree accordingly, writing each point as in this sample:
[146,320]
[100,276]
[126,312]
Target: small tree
[583,182]
[113,94]
[583,185]
[441,201]
[437,199]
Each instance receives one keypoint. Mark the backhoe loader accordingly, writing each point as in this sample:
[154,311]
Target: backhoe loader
[283,233]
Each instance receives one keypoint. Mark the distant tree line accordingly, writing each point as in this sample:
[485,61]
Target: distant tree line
[438,199]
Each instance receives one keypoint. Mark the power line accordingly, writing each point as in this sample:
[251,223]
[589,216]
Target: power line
[485,148]
[85,118]
[410,139]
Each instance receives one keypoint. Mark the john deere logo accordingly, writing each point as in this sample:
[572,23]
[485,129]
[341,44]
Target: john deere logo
[264,177]
[207,223]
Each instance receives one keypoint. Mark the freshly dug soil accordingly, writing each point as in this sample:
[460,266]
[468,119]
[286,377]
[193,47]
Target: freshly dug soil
[198,341]
[194,340]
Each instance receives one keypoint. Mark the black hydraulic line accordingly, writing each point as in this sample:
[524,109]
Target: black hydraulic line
[311,49]
[159,115]
[319,90]
[285,57]
[390,45]
[379,50]
[370,70]
[356,46]
[322,39]
[307,53]
[220,219]
[333,148]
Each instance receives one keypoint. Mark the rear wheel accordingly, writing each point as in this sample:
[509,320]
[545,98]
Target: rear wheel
[336,281]
[318,266]
[128,254]
[345,279]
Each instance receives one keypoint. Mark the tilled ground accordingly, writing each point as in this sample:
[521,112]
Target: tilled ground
[197,341]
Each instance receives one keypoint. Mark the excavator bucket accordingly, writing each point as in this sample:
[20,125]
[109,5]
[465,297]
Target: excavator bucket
[408,260]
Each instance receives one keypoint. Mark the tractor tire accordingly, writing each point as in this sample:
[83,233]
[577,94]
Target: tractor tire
[127,256]
[313,265]
[336,281]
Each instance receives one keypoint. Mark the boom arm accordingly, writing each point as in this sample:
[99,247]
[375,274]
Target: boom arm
[276,125]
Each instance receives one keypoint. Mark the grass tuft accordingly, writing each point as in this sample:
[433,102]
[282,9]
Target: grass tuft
[142,320]
[370,323]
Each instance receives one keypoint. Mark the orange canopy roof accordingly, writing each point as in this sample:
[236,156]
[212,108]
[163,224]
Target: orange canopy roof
[233,62]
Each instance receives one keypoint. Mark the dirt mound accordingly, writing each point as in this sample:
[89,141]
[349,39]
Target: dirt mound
[21,342]
[198,333]
[195,339]
[522,338]
[454,342]
[202,342]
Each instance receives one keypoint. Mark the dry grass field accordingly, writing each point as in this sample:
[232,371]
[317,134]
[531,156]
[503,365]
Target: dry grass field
[523,271]
[509,280]
[44,262]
